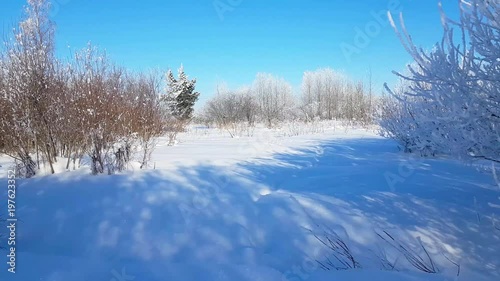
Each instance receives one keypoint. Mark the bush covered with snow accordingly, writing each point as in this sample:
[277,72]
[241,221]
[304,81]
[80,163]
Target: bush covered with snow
[450,100]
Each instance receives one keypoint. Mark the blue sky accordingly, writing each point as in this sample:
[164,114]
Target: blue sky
[232,40]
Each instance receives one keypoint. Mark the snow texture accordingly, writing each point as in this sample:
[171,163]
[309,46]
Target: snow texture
[222,208]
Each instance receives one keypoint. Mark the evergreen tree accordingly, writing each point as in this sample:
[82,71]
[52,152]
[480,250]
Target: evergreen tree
[181,95]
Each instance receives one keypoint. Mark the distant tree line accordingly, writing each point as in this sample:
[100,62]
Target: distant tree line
[325,95]
[86,107]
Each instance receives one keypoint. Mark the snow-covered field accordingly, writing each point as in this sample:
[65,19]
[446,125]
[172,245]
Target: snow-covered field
[255,208]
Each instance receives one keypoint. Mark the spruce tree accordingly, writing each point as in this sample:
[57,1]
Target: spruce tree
[181,95]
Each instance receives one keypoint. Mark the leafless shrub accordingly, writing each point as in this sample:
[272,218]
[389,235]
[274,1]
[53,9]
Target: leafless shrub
[88,106]
[450,105]
[233,111]
[147,118]
[27,120]
[173,127]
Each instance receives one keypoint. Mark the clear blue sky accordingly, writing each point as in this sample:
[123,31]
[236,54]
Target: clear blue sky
[232,40]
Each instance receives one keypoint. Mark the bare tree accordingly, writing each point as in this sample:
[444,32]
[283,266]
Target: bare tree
[148,117]
[28,81]
[327,94]
[274,96]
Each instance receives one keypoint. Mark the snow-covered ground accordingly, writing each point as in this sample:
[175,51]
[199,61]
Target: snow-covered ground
[254,208]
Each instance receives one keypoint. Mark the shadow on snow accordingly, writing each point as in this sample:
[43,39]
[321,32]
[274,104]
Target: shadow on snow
[259,212]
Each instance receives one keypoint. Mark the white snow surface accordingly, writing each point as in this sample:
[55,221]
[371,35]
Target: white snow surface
[219,208]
